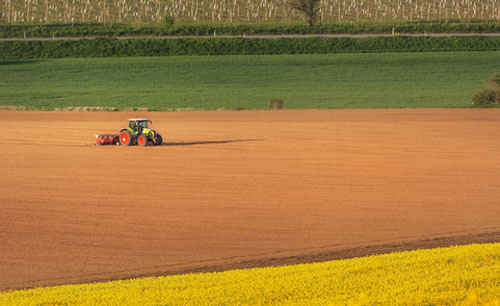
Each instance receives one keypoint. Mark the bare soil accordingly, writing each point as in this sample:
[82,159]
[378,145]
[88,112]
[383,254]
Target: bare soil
[231,189]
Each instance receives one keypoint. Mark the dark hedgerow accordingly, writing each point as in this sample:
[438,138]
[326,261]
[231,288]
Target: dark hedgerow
[108,47]
[169,28]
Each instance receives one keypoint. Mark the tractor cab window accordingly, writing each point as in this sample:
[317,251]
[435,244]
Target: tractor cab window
[143,124]
[131,125]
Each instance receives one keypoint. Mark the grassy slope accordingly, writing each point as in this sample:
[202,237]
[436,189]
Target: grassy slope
[450,276]
[232,82]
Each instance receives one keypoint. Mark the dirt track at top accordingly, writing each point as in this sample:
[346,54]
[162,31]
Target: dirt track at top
[238,189]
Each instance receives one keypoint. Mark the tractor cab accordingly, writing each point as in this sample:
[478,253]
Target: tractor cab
[138,125]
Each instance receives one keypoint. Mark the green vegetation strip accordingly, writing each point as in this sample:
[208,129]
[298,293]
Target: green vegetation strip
[375,80]
[464,275]
[240,29]
[231,46]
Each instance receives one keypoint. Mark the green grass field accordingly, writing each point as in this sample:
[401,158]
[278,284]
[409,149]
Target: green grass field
[234,82]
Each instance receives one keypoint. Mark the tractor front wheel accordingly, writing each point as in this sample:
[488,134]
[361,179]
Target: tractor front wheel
[142,140]
[125,138]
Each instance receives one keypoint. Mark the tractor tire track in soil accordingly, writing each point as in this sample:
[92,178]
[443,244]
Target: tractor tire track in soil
[239,189]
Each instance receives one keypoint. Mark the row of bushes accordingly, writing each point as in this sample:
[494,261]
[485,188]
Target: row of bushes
[108,47]
[488,97]
[206,29]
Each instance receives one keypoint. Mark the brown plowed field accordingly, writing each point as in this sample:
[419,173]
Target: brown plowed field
[238,189]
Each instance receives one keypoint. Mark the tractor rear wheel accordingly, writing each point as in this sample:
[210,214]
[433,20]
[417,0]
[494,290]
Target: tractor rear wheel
[125,138]
[142,140]
[158,140]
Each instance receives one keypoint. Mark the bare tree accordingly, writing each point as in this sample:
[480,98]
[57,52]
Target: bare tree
[309,7]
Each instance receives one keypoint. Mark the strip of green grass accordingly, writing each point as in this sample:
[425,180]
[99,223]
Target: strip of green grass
[233,82]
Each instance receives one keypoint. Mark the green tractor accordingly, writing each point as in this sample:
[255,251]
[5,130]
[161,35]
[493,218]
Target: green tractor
[139,133]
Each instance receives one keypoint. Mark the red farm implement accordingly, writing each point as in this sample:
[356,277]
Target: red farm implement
[107,139]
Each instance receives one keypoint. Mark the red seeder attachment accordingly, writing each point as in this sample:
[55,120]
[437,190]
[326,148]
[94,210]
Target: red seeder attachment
[106,139]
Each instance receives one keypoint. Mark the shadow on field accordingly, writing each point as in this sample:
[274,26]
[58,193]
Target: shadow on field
[17,62]
[195,143]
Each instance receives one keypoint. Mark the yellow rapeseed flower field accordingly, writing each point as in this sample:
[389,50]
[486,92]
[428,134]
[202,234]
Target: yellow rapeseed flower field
[462,275]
